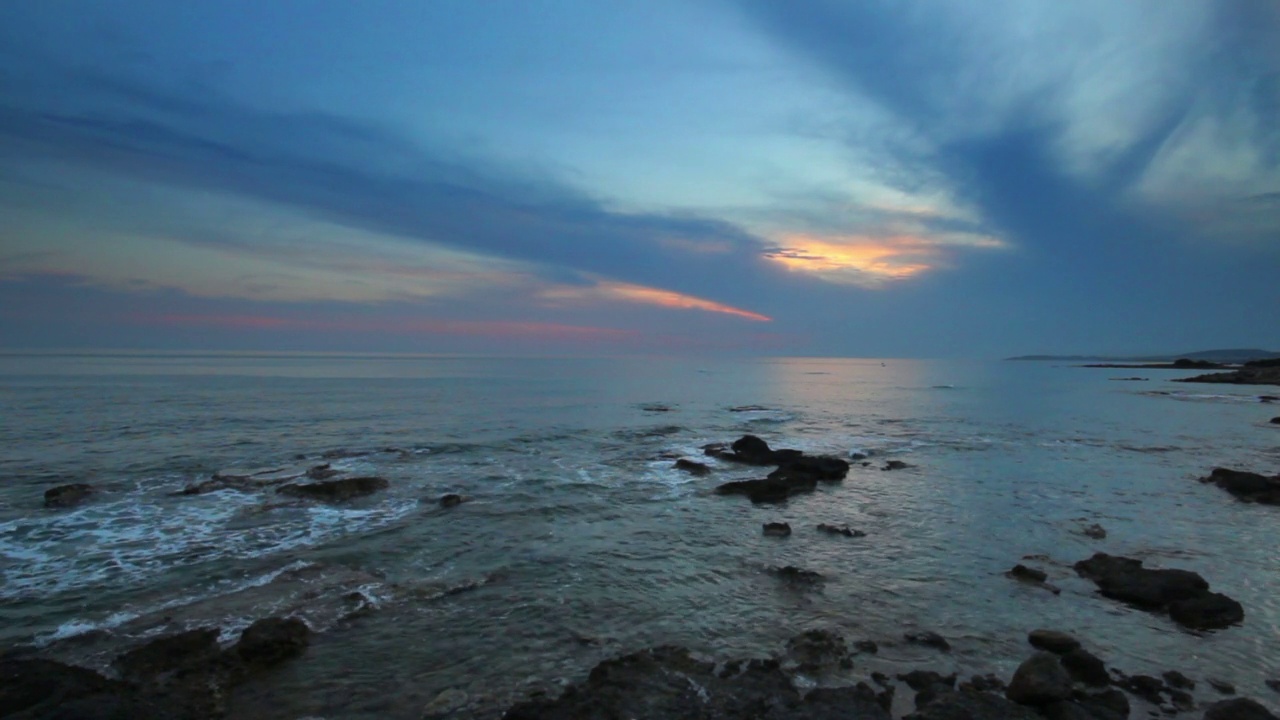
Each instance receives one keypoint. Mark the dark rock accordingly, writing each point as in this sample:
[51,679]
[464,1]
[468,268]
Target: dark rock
[984,683]
[972,706]
[1181,699]
[777,529]
[1183,593]
[1022,572]
[1238,709]
[896,465]
[817,650]
[921,679]
[930,693]
[880,678]
[928,638]
[798,576]
[38,688]
[452,500]
[273,640]
[666,682]
[840,530]
[340,453]
[1144,686]
[867,646]
[1210,611]
[858,456]
[1111,700]
[833,704]
[777,487]
[335,490]
[1248,375]
[1275,421]
[1039,680]
[1273,683]
[1083,666]
[1247,486]
[65,496]
[322,472]
[1095,531]
[172,654]
[1053,641]
[1221,686]
[818,467]
[655,407]
[753,451]
[1072,710]
[1175,679]
[693,468]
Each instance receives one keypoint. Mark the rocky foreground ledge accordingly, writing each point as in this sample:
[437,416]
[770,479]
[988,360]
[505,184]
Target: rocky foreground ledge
[1059,681]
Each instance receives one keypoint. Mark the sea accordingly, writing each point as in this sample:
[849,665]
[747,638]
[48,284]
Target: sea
[580,540]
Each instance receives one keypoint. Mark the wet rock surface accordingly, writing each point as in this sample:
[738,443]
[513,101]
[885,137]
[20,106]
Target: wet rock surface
[1238,709]
[1183,593]
[844,530]
[796,472]
[928,638]
[1052,641]
[1246,486]
[452,500]
[177,677]
[777,529]
[65,496]
[335,490]
[692,467]
[1039,680]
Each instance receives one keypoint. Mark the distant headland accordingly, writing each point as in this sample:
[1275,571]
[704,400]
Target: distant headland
[1231,356]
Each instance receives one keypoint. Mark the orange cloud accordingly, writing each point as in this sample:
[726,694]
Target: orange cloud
[626,292]
[867,260]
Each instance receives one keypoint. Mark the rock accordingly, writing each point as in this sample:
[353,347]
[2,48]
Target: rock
[1273,683]
[667,682]
[1039,680]
[818,650]
[38,688]
[1112,701]
[335,490]
[341,453]
[839,703]
[1246,486]
[1275,421]
[867,646]
[798,576]
[273,640]
[972,706]
[921,679]
[1022,572]
[930,693]
[753,451]
[777,529]
[1247,375]
[452,500]
[1221,686]
[172,654]
[1181,699]
[1210,611]
[322,472]
[1095,531]
[655,407]
[1072,710]
[1083,666]
[817,467]
[928,638]
[768,490]
[1053,641]
[65,496]
[1175,679]
[445,703]
[1183,593]
[896,465]
[840,530]
[1238,709]
[880,678]
[983,683]
[693,468]
[858,456]
[1144,686]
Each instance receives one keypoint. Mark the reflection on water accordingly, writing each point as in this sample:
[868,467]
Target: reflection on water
[582,541]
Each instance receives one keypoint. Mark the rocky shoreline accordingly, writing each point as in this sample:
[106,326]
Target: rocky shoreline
[1256,372]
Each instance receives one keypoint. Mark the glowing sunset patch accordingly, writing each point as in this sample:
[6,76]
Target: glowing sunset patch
[868,261]
[626,292]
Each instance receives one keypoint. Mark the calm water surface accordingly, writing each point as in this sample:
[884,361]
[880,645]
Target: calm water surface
[582,542]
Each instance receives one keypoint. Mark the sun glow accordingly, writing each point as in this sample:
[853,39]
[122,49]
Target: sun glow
[610,290]
[866,260]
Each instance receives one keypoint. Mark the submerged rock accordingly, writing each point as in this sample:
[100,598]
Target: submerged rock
[972,706]
[777,529]
[65,496]
[168,655]
[928,638]
[271,641]
[1208,611]
[818,650]
[1027,574]
[840,530]
[1095,531]
[322,472]
[693,468]
[896,465]
[335,490]
[1247,486]
[798,576]
[452,500]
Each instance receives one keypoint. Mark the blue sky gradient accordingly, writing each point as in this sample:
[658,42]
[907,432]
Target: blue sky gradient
[861,178]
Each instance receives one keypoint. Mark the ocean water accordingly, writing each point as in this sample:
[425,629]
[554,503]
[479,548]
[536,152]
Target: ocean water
[581,541]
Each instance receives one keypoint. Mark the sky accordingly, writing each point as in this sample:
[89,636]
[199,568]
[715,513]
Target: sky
[940,178]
